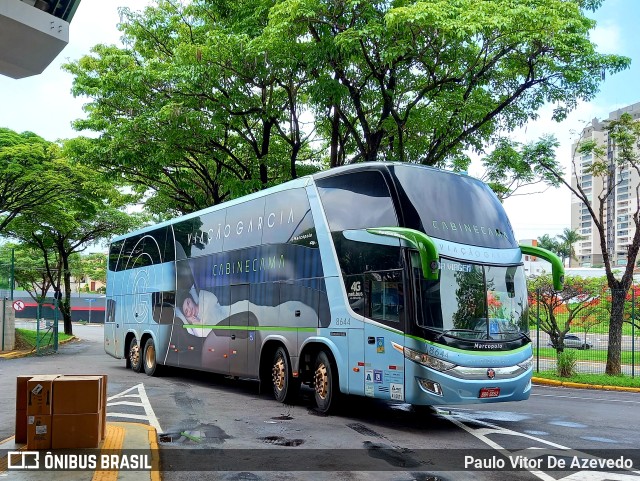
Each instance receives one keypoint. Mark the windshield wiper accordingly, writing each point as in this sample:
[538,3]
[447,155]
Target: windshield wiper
[450,332]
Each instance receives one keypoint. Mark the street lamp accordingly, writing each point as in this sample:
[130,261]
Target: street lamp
[90,300]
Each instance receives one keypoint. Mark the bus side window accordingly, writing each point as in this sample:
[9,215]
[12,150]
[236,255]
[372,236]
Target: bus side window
[386,297]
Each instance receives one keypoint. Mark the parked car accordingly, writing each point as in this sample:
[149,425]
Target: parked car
[572,340]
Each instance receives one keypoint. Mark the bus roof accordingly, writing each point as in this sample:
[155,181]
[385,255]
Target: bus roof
[292,184]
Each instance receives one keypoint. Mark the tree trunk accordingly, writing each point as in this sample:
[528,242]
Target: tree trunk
[615,332]
[65,305]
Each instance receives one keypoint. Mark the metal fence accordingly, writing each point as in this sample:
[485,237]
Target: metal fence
[44,328]
[587,316]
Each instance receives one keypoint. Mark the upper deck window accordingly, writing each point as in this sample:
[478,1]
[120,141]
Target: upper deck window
[357,200]
[452,207]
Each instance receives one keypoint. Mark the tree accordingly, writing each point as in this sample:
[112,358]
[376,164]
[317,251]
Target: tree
[624,138]
[90,266]
[29,173]
[30,273]
[511,166]
[69,225]
[577,299]
[569,238]
[426,81]
[194,112]
[212,100]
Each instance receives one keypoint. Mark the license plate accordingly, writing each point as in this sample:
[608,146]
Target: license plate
[487,392]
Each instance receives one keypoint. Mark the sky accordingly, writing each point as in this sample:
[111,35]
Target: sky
[43,104]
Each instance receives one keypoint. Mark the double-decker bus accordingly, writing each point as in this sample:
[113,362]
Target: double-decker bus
[389,280]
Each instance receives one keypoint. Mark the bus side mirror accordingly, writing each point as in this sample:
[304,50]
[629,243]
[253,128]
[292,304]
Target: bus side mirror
[557,269]
[429,257]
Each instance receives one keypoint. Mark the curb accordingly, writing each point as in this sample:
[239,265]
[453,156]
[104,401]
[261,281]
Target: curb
[575,385]
[19,354]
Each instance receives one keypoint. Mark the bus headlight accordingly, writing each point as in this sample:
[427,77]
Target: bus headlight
[428,361]
[526,365]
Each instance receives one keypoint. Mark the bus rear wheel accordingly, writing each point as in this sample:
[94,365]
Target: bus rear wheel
[151,367]
[325,383]
[135,356]
[284,386]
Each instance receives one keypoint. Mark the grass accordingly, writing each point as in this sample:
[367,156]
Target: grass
[594,355]
[593,379]
[26,339]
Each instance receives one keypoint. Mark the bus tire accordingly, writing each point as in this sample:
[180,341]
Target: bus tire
[285,388]
[325,383]
[151,367]
[134,355]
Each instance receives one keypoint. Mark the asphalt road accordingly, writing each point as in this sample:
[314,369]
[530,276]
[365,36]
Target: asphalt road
[196,414]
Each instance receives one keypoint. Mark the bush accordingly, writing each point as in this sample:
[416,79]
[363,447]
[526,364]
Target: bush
[567,363]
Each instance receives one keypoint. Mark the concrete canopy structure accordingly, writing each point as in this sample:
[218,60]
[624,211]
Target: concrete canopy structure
[32,34]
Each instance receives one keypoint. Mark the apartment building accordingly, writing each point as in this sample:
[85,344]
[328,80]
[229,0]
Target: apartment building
[619,206]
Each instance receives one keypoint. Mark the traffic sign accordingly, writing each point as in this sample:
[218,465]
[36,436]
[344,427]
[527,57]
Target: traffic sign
[18,305]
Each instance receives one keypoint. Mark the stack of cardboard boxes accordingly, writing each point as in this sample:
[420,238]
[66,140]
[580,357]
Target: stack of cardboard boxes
[60,412]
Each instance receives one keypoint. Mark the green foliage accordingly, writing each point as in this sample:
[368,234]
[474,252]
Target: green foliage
[579,299]
[594,379]
[511,165]
[588,355]
[425,81]
[566,366]
[569,238]
[194,112]
[30,174]
[213,100]
[30,272]
[68,225]
[624,138]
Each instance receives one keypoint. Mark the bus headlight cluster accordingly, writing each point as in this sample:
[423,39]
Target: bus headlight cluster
[428,361]
[526,365]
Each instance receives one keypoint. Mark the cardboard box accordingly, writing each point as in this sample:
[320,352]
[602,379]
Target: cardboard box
[39,431]
[103,401]
[77,394]
[21,426]
[76,431]
[40,394]
[21,409]
[21,392]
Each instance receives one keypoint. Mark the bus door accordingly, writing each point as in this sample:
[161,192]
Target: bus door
[110,336]
[384,335]
[238,340]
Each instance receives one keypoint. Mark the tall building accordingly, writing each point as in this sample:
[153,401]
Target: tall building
[32,34]
[619,206]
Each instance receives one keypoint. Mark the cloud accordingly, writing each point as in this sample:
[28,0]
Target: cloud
[608,38]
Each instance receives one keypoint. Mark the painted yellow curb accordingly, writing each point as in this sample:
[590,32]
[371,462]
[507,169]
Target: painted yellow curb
[18,354]
[553,382]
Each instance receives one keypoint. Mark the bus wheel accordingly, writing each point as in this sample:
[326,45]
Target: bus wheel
[325,383]
[284,386]
[151,367]
[135,357]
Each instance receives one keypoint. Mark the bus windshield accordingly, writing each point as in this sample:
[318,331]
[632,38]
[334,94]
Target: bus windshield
[472,301]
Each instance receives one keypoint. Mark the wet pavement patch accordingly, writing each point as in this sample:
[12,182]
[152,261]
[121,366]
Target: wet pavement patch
[280,441]
[364,430]
[243,477]
[398,457]
[202,434]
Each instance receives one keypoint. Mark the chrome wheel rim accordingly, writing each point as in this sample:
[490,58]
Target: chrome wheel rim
[321,381]
[134,353]
[150,356]
[278,374]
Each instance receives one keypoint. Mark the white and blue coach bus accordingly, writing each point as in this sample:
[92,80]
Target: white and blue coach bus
[388,280]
